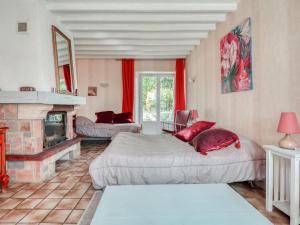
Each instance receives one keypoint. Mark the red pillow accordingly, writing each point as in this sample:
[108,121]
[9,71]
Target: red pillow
[189,133]
[105,117]
[214,139]
[123,118]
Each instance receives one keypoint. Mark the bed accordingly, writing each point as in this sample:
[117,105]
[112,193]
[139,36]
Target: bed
[86,127]
[163,159]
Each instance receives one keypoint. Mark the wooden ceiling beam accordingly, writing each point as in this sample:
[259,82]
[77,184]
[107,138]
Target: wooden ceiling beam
[158,57]
[141,35]
[93,6]
[132,53]
[138,27]
[141,17]
[135,42]
[133,48]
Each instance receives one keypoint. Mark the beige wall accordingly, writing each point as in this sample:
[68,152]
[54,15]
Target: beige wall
[92,72]
[155,65]
[276,71]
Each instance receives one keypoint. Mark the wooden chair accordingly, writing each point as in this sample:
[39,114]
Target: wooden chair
[181,120]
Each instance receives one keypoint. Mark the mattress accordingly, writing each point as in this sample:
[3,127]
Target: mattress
[85,126]
[163,159]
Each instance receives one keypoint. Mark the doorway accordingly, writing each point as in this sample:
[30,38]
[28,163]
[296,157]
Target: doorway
[155,96]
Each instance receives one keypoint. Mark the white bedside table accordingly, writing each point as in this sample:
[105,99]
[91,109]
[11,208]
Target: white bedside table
[282,181]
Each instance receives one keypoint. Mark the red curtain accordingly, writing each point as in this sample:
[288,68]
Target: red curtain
[67,76]
[128,85]
[179,85]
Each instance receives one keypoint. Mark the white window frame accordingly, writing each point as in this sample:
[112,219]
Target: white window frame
[138,92]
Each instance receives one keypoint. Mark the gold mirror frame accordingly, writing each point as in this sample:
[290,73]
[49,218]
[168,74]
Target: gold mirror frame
[55,30]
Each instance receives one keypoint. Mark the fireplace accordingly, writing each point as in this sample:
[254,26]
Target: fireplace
[55,128]
[32,130]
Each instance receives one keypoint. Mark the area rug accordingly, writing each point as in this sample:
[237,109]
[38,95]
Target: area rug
[86,218]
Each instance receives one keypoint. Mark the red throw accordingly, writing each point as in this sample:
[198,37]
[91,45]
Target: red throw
[128,85]
[67,76]
[179,85]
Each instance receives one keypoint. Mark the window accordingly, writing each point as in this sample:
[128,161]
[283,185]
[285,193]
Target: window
[155,96]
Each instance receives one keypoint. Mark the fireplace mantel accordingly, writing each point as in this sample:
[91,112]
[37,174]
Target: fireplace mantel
[39,97]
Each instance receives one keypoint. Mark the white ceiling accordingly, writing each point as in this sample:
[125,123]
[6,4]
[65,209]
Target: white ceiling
[139,28]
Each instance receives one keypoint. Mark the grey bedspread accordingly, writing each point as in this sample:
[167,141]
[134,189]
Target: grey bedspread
[163,159]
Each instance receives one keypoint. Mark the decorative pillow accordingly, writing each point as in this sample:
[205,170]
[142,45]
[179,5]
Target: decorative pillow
[105,117]
[214,139]
[189,133]
[123,118]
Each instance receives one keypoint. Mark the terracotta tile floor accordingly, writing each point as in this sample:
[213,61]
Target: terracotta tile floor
[63,199]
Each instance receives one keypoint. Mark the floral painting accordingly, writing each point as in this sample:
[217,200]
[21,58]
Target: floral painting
[92,91]
[236,62]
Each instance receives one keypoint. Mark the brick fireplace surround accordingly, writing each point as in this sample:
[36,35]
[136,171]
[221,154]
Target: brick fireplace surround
[27,161]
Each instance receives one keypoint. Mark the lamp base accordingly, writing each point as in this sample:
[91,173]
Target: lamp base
[288,142]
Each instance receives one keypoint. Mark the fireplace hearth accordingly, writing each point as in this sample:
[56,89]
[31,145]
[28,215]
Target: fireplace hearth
[55,128]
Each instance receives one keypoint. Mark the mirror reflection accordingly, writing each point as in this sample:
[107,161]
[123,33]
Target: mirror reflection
[63,62]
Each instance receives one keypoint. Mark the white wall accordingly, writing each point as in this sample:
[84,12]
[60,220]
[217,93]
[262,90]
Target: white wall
[27,59]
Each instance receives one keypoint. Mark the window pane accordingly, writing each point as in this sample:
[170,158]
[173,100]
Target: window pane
[166,98]
[149,103]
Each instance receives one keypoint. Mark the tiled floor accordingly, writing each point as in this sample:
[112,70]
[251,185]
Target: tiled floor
[63,199]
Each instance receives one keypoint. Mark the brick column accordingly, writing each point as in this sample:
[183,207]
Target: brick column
[25,122]
[25,137]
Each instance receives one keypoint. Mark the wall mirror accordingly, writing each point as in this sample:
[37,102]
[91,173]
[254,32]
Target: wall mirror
[63,62]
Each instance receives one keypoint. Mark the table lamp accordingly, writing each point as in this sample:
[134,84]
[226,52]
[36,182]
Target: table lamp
[288,124]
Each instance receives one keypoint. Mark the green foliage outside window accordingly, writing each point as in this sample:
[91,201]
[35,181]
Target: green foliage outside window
[166,98]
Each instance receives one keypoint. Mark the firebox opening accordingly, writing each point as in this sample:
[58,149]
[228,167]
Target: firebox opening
[55,126]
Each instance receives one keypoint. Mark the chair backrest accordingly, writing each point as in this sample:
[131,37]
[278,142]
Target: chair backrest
[182,118]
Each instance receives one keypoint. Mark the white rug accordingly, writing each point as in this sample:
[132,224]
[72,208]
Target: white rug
[88,214]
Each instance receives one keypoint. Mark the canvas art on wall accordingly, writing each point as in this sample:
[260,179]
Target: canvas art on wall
[92,91]
[236,62]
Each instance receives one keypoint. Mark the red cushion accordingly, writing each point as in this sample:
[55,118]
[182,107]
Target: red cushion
[105,117]
[214,139]
[123,118]
[189,133]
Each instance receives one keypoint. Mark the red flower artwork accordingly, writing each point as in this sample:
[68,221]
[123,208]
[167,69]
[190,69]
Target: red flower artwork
[236,66]
[241,80]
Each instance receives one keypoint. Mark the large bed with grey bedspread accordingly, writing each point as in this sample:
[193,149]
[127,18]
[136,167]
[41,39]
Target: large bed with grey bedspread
[163,159]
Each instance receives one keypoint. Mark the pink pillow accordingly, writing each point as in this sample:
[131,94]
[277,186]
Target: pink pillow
[123,118]
[105,117]
[214,139]
[189,133]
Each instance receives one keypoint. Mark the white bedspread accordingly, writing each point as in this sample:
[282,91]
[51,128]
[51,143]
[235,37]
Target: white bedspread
[163,159]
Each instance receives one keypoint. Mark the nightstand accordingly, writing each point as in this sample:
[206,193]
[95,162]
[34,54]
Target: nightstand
[282,181]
